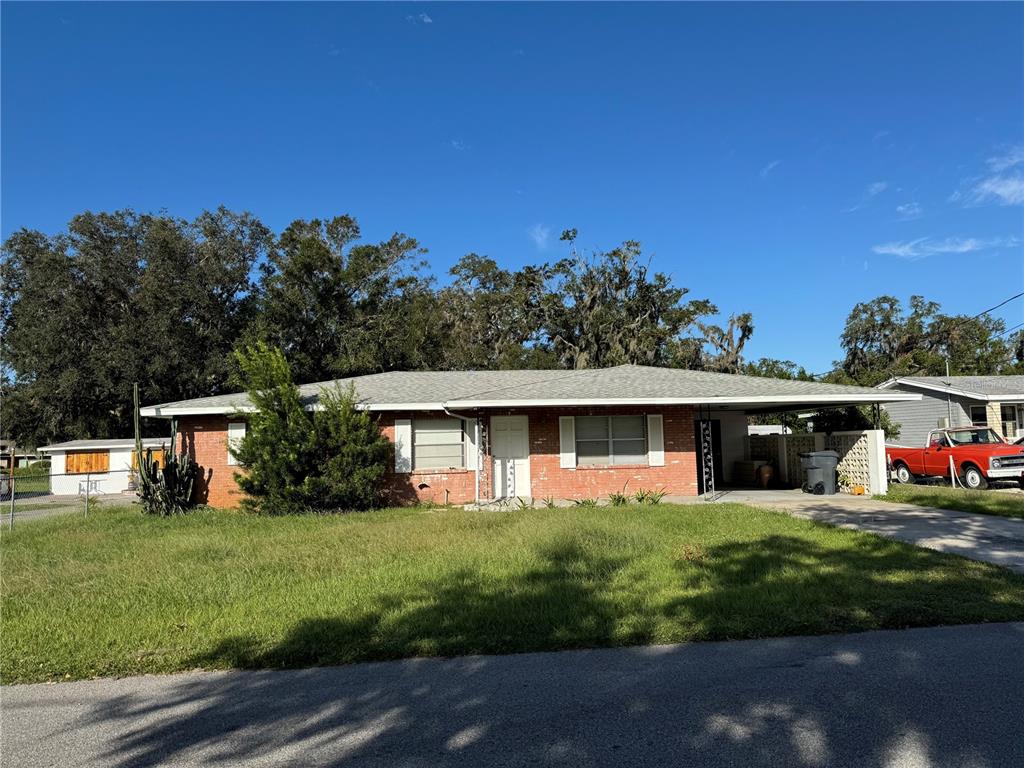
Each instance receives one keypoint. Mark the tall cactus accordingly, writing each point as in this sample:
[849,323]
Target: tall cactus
[163,490]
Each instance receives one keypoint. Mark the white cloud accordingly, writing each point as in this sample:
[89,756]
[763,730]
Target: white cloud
[540,235]
[457,144]
[873,190]
[909,211]
[1011,158]
[1002,190]
[419,18]
[924,247]
[1003,186]
[769,168]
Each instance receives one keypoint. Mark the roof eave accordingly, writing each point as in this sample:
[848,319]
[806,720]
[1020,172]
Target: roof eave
[167,412]
[950,390]
[756,400]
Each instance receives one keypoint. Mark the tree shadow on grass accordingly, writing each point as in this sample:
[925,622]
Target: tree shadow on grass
[808,702]
[790,585]
[563,603]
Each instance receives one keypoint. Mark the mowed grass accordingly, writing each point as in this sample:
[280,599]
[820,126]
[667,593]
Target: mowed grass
[118,593]
[987,502]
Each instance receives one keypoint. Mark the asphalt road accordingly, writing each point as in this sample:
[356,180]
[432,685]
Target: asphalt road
[929,697]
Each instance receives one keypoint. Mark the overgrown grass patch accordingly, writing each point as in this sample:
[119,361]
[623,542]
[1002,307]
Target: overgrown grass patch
[989,502]
[118,593]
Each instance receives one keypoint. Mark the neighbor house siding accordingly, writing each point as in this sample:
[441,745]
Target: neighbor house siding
[917,419]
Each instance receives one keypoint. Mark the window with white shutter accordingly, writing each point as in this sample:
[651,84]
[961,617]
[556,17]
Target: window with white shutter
[236,431]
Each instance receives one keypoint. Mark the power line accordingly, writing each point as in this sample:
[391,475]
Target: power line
[997,306]
[1010,330]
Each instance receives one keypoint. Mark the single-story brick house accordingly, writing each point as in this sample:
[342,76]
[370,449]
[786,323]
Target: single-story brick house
[473,436]
[957,401]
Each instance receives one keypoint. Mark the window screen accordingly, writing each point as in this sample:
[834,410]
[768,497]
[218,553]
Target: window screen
[979,418]
[611,440]
[438,444]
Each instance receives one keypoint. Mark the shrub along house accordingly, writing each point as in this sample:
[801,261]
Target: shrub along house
[475,436]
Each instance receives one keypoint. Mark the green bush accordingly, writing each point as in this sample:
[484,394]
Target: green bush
[329,460]
[37,469]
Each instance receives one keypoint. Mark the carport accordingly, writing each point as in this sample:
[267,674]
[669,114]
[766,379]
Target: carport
[729,456]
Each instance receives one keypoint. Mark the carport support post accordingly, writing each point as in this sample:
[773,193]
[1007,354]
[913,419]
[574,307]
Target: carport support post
[12,496]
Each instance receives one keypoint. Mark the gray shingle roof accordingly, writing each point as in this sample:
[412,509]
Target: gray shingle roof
[126,442]
[625,383]
[990,386]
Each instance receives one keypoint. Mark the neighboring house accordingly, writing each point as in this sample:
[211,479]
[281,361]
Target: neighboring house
[104,464]
[467,436]
[22,456]
[957,401]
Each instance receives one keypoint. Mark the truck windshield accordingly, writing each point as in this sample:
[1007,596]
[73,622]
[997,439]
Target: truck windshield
[973,436]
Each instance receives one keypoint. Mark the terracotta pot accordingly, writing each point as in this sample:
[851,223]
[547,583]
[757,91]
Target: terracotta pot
[765,473]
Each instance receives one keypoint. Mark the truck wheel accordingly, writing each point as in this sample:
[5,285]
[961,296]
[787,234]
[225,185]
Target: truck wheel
[903,474]
[973,478]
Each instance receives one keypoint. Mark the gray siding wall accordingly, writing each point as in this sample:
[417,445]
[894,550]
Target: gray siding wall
[916,420]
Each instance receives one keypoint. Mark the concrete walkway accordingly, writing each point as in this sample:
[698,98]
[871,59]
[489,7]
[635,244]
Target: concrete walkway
[989,538]
[911,699]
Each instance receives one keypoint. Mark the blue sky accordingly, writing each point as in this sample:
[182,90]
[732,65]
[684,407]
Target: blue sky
[789,160]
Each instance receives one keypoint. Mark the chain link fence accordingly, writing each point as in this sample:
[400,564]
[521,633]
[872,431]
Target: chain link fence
[35,492]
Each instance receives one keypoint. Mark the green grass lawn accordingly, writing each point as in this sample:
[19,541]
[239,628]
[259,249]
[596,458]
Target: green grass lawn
[119,593]
[988,502]
[34,481]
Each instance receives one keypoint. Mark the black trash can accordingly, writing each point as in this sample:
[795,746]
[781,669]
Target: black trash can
[819,472]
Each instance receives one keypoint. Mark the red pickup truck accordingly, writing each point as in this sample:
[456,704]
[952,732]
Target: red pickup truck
[979,455]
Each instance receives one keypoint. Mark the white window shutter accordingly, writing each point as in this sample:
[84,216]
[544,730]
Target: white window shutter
[567,442]
[471,453]
[236,431]
[403,445]
[655,440]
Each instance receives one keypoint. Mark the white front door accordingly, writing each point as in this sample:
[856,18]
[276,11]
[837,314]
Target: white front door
[510,449]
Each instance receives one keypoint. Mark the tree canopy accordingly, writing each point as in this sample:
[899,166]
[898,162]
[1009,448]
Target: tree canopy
[120,298]
[883,339]
[124,297]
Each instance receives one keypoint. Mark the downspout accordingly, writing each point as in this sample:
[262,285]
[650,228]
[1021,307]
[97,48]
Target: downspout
[476,444]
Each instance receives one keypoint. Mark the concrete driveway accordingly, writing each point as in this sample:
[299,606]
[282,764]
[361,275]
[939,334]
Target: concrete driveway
[912,699]
[989,538]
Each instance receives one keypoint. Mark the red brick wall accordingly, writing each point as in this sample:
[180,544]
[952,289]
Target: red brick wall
[205,437]
[677,478]
[206,440]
